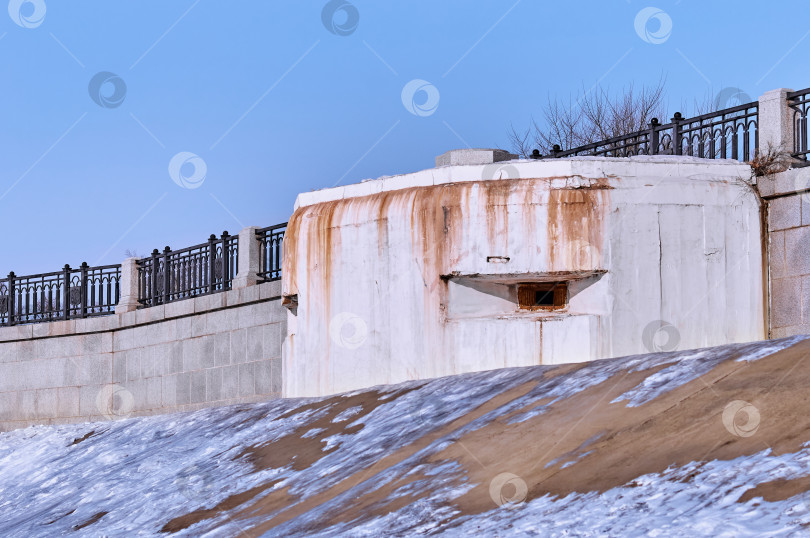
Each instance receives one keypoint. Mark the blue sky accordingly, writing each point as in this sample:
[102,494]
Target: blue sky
[272,103]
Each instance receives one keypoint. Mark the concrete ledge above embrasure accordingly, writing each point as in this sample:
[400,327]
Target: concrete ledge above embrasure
[658,166]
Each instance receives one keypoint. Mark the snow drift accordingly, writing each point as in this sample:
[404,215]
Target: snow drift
[705,442]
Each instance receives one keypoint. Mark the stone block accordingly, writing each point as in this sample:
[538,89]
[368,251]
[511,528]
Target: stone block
[17,332]
[137,388]
[230,382]
[193,354]
[183,328]
[222,349]
[156,333]
[89,325]
[276,367]
[26,350]
[92,369]
[88,401]
[169,391]
[28,404]
[797,251]
[119,367]
[255,343]
[473,156]
[96,343]
[246,379]
[68,401]
[10,405]
[207,303]
[252,315]
[776,254]
[213,384]
[786,302]
[183,388]
[152,395]
[127,319]
[8,352]
[251,294]
[199,325]
[133,358]
[805,197]
[222,320]
[11,377]
[238,349]
[274,334]
[61,346]
[124,339]
[263,377]
[149,315]
[197,387]
[273,312]
[784,212]
[174,357]
[207,351]
[270,290]
[47,403]
[153,360]
[784,332]
[179,308]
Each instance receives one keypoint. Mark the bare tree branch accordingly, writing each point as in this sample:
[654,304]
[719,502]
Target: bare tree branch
[595,115]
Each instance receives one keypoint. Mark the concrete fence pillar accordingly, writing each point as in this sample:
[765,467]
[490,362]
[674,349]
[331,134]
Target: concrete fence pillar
[775,121]
[129,286]
[247,272]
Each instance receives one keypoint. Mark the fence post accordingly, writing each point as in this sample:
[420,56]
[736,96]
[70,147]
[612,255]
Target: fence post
[83,290]
[653,137]
[249,259]
[152,296]
[775,125]
[167,275]
[212,259]
[129,286]
[225,259]
[66,295]
[677,136]
[12,295]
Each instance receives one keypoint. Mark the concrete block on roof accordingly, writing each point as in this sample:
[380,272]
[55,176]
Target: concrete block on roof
[473,156]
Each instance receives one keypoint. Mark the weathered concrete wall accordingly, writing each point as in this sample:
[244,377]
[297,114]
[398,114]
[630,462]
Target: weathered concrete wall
[414,276]
[787,196]
[213,350]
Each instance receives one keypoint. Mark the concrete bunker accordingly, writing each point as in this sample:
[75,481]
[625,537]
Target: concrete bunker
[448,270]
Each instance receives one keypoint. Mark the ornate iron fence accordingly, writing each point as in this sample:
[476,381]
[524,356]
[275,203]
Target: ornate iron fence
[271,241]
[799,103]
[173,275]
[66,294]
[163,277]
[731,133]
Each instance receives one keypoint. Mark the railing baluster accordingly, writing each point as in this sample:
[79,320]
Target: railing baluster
[226,275]
[12,293]
[83,290]
[66,292]
[167,272]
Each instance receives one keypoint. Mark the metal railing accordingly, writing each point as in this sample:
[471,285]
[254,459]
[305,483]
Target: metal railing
[173,275]
[66,294]
[731,133]
[799,103]
[271,240]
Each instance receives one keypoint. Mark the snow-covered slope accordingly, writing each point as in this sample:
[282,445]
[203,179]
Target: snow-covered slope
[707,442]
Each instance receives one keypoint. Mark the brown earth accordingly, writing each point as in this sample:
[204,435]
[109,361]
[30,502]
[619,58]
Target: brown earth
[611,443]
